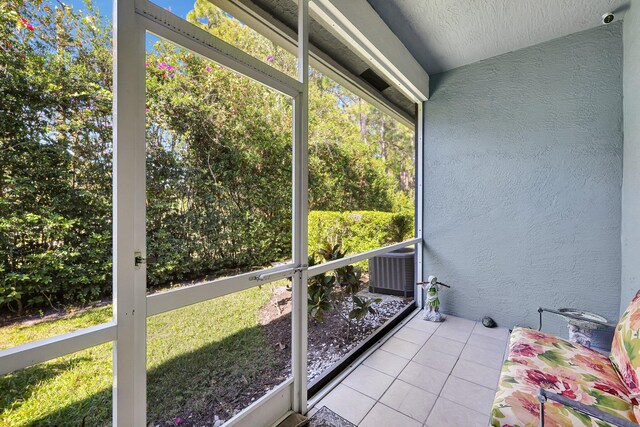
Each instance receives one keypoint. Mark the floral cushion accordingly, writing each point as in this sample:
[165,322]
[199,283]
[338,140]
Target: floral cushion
[625,349]
[539,360]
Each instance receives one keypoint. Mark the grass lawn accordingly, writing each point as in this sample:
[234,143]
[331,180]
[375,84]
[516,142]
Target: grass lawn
[199,358]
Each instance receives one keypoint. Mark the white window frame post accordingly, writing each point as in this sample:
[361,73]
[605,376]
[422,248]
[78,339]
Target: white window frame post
[419,200]
[129,291]
[300,216]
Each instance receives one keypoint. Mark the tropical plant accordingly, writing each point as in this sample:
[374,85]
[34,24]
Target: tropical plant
[322,293]
[320,289]
[362,307]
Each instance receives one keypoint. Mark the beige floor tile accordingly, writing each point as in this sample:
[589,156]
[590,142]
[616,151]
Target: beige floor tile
[414,315]
[486,342]
[445,345]
[422,325]
[446,413]
[312,411]
[460,322]
[454,332]
[368,381]
[424,377]
[400,347]
[496,333]
[415,336]
[348,403]
[490,358]
[476,373]
[409,399]
[468,394]
[388,363]
[435,359]
[383,416]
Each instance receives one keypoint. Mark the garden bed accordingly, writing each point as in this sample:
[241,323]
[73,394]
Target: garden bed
[328,339]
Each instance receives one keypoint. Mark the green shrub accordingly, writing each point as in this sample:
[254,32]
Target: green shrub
[358,231]
[218,157]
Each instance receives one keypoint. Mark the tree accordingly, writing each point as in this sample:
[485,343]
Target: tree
[54,155]
[218,156]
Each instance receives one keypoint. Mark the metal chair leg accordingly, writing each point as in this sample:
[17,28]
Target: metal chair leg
[542,398]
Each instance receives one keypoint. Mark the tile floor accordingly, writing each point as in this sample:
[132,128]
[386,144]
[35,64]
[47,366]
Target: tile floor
[427,374]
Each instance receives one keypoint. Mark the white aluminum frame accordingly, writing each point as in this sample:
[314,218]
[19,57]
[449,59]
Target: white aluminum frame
[359,26]
[168,26]
[332,265]
[129,217]
[25,355]
[419,202]
[300,216]
[132,307]
[181,297]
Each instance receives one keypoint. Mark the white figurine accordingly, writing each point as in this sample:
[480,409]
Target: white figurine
[432,303]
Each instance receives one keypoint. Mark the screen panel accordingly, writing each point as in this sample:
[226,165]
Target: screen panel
[55,170]
[219,171]
[204,14]
[345,310]
[209,361]
[361,173]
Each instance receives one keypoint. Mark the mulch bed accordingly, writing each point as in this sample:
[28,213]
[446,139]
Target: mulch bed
[328,339]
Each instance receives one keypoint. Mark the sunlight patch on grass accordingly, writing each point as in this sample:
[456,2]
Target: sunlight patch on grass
[22,333]
[206,351]
[61,391]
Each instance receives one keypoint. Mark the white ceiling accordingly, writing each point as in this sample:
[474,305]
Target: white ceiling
[445,34]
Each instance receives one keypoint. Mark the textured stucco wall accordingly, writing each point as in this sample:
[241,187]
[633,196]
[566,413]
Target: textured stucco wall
[445,34]
[631,177]
[523,173]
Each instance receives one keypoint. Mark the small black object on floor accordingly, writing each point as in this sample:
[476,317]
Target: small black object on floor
[488,322]
[325,417]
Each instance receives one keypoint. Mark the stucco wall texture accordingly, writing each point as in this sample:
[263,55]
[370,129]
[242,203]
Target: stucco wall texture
[522,178]
[631,177]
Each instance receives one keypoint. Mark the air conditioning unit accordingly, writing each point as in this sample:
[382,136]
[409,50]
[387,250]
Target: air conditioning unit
[393,273]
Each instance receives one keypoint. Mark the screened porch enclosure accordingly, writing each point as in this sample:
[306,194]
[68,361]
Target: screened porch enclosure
[153,334]
[519,192]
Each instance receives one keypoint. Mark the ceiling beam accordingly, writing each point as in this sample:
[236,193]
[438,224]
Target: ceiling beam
[278,32]
[359,26]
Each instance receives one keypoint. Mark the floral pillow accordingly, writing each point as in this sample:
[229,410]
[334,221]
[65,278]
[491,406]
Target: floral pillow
[625,349]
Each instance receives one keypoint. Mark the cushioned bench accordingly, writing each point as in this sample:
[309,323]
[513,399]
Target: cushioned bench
[539,360]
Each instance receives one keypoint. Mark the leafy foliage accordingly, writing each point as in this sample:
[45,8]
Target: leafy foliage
[335,234]
[219,172]
[357,231]
[55,155]
[362,307]
[218,157]
[323,295]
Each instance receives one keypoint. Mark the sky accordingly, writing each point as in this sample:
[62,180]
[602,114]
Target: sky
[179,7]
